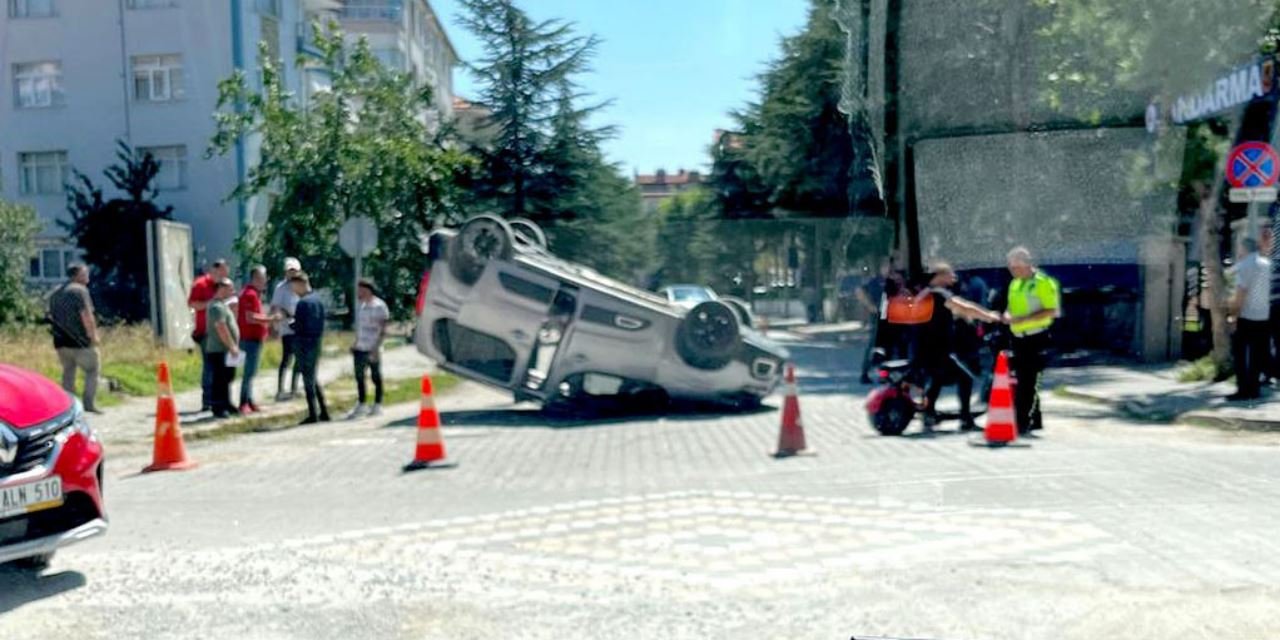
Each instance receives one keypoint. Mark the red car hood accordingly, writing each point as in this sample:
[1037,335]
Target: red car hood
[28,399]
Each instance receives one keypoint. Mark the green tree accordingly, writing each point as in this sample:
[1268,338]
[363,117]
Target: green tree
[359,149]
[112,233]
[18,228]
[686,244]
[523,75]
[793,150]
[542,159]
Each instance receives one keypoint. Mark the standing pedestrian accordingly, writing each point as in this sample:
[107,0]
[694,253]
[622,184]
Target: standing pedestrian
[203,290]
[222,346]
[371,329]
[308,332]
[253,324]
[1269,239]
[75,334]
[1034,302]
[870,296]
[948,354]
[1251,308]
[283,302]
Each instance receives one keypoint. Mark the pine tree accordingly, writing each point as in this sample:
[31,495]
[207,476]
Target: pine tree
[524,69]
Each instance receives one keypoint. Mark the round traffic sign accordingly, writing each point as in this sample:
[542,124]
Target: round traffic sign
[1253,165]
[358,236]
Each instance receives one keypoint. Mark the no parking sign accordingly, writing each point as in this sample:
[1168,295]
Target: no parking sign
[1252,171]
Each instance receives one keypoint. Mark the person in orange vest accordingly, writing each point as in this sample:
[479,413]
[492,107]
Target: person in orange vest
[945,356]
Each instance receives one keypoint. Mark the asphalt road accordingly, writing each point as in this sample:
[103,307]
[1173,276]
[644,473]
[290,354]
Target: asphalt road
[680,526]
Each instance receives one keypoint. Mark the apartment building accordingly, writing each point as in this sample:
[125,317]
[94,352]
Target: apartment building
[407,35]
[82,74]
[661,186]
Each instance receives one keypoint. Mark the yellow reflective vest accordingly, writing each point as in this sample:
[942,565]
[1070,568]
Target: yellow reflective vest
[1030,295]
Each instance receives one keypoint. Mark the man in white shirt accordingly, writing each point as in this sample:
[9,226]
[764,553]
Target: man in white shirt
[371,329]
[1251,306]
[283,304]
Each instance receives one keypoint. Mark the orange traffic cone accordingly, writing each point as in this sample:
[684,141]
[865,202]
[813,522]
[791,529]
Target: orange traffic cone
[430,447]
[791,436]
[170,452]
[1001,422]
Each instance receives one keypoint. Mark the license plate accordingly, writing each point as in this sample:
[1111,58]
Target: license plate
[32,496]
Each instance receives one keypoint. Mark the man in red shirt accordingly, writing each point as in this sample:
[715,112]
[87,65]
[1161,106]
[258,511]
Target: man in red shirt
[202,293]
[253,333]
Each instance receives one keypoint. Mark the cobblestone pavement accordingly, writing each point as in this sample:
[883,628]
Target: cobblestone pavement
[680,526]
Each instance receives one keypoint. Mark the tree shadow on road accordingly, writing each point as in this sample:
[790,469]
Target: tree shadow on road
[562,419]
[19,587]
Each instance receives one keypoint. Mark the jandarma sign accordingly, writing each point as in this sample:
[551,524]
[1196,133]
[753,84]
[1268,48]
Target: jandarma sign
[1250,82]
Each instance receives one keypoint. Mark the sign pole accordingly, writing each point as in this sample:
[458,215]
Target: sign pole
[355,291]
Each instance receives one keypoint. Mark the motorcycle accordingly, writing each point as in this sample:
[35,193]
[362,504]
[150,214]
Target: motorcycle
[897,399]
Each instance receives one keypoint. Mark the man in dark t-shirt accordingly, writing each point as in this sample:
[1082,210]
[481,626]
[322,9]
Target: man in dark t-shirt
[75,333]
[308,332]
[944,352]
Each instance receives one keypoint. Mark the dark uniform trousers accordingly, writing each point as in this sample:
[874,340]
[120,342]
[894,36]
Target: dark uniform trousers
[1030,356]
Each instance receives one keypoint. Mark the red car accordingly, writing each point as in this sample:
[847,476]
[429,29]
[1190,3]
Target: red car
[50,470]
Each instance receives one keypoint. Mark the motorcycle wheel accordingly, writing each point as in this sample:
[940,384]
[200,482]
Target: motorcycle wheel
[894,416]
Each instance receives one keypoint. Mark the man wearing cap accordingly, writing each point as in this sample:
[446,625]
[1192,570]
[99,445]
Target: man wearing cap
[1034,302]
[221,342]
[283,304]
[371,328]
[203,291]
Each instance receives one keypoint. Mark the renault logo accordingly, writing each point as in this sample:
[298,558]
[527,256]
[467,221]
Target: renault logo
[8,445]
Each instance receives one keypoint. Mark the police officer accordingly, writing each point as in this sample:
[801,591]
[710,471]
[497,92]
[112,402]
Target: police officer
[1034,302]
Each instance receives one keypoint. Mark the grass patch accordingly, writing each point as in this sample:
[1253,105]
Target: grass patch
[130,354]
[1202,370]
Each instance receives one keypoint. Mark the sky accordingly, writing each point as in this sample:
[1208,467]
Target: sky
[674,68]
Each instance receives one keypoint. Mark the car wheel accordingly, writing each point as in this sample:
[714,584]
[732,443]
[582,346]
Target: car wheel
[528,232]
[708,335]
[33,563]
[742,309]
[481,239]
[894,416]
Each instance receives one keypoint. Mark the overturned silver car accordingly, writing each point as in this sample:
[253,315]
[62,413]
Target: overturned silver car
[496,307]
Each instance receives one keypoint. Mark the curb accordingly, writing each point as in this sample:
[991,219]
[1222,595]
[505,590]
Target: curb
[1139,411]
[272,421]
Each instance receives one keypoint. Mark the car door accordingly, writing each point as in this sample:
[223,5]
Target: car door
[509,304]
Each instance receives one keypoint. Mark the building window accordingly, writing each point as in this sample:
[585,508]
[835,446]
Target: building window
[270,35]
[31,9]
[51,262]
[43,172]
[391,59]
[268,7]
[158,78]
[372,9]
[152,4]
[37,85]
[173,166]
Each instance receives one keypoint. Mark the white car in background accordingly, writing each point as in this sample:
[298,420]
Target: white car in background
[692,295]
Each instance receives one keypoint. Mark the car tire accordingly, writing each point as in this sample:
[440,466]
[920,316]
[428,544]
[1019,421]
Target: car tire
[893,417]
[709,335]
[33,563]
[480,240]
[528,232]
[743,310]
